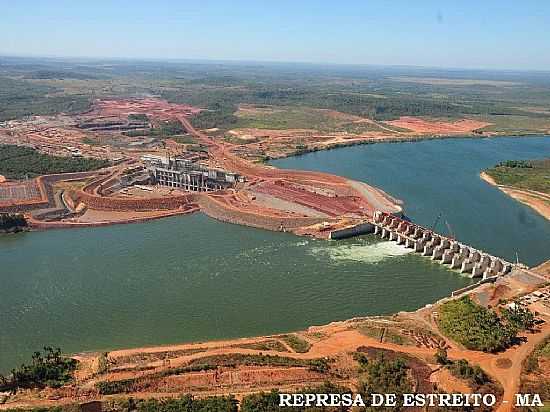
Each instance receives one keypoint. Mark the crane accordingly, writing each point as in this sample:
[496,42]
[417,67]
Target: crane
[436,221]
[451,234]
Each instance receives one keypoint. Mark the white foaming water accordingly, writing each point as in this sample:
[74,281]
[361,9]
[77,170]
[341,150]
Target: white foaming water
[367,253]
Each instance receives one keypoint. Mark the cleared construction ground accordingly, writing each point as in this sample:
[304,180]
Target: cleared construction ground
[266,197]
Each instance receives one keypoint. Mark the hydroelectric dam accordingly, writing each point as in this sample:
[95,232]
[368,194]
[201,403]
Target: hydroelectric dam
[440,248]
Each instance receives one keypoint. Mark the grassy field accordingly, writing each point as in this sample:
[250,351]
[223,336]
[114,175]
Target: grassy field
[293,94]
[300,117]
[530,175]
[518,124]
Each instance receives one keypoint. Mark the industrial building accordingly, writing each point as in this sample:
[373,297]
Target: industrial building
[188,174]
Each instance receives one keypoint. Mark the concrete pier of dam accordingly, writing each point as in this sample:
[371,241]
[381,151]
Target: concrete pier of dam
[440,248]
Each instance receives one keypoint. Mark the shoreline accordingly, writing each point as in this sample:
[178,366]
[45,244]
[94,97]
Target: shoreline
[515,193]
[325,340]
[539,202]
[403,139]
[332,341]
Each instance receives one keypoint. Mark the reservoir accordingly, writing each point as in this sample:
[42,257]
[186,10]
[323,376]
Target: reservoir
[191,278]
[436,177]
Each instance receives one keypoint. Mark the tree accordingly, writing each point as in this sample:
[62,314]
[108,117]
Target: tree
[519,317]
[441,356]
[50,369]
[386,376]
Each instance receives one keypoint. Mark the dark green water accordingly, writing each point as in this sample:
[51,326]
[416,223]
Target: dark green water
[192,278]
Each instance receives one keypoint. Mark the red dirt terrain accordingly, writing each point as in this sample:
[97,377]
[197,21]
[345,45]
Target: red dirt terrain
[419,125]
[290,199]
[156,108]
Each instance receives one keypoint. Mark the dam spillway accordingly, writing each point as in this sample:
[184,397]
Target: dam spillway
[426,242]
[446,250]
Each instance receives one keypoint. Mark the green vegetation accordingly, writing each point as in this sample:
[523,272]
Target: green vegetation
[72,408]
[269,401]
[138,117]
[519,317]
[385,334]
[162,130]
[90,141]
[50,369]
[478,328]
[233,360]
[185,139]
[18,162]
[211,363]
[188,403]
[271,344]
[260,402]
[382,375]
[19,98]
[441,356]
[542,350]
[521,174]
[512,102]
[297,343]
[114,387]
[474,375]
[285,117]
[534,376]
[518,124]
[217,115]
[474,326]
[12,222]
[477,380]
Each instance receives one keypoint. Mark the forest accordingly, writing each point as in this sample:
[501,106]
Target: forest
[18,162]
[45,86]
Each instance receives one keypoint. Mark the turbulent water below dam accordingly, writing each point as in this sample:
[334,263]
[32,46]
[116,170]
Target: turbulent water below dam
[191,278]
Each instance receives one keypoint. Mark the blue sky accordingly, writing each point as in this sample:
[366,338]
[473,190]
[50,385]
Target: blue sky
[505,34]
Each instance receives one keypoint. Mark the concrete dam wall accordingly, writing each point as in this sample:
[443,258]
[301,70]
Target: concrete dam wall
[448,251]
[440,248]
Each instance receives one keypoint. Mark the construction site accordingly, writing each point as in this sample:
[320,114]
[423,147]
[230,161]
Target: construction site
[195,172]
[151,177]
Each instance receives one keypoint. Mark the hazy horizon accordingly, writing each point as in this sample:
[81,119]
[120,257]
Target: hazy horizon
[175,60]
[492,35]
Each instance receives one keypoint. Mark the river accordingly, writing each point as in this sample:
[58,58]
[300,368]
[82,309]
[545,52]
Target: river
[436,177]
[191,278]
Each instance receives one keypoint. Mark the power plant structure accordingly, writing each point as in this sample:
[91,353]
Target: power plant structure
[186,174]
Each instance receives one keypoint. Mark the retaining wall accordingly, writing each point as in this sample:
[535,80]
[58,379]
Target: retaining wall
[218,211]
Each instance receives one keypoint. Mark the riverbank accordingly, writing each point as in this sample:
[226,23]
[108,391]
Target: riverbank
[291,361]
[540,202]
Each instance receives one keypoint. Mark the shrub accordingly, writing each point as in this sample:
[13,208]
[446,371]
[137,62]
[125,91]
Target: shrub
[50,369]
[296,343]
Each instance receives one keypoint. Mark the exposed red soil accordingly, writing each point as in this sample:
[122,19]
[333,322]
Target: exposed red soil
[332,206]
[420,125]
[156,108]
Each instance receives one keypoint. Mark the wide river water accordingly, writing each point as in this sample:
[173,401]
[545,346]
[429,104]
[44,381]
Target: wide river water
[191,278]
